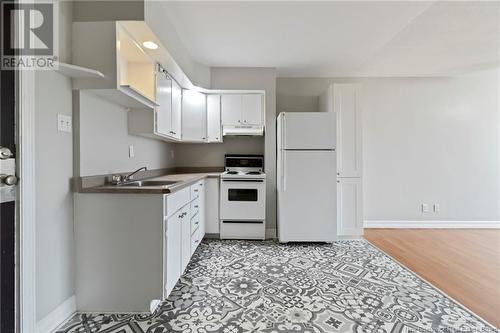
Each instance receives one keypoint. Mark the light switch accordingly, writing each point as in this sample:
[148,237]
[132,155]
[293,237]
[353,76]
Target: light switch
[64,123]
[131,152]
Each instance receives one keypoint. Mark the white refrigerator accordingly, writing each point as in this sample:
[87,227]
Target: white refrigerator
[306,177]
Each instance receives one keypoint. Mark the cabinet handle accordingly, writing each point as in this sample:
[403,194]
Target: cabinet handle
[244,121]
[216,138]
[196,223]
[196,241]
[196,190]
[195,206]
[338,173]
[180,216]
[239,121]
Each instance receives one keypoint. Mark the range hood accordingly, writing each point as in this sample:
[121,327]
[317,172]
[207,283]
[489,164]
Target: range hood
[257,130]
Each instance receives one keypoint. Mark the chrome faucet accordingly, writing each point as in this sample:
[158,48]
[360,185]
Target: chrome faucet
[120,179]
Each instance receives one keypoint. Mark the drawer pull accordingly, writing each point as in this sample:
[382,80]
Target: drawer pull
[196,241]
[196,190]
[196,223]
[195,206]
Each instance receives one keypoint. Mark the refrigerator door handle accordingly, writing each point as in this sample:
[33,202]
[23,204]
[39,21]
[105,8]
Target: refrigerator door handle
[283,171]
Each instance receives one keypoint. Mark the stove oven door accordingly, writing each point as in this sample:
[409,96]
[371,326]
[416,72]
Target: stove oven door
[243,199]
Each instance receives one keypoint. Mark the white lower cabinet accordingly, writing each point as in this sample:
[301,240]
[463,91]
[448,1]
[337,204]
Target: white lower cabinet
[212,193]
[131,249]
[349,207]
[172,246]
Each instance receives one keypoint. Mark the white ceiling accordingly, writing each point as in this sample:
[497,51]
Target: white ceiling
[334,39]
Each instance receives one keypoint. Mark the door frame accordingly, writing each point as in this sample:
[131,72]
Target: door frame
[26,208]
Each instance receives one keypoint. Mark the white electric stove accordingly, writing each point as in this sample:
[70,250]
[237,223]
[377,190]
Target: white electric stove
[243,198]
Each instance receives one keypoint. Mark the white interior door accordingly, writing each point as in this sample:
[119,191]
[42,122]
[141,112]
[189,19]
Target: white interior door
[307,196]
[308,130]
[251,105]
[231,109]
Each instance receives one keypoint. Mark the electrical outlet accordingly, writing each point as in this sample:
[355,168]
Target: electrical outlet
[64,123]
[131,152]
[425,208]
[436,208]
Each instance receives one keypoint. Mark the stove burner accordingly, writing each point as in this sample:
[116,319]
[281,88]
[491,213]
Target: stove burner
[232,172]
[253,173]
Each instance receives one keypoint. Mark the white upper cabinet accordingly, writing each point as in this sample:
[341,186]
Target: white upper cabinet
[231,107]
[348,112]
[164,99]
[242,114]
[214,130]
[194,116]
[251,109]
[176,110]
[129,73]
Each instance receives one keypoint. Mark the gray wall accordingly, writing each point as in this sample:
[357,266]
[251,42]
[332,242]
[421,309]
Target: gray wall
[54,169]
[54,197]
[425,140]
[104,140]
[212,154]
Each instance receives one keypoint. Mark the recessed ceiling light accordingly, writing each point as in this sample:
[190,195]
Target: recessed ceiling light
[150,45]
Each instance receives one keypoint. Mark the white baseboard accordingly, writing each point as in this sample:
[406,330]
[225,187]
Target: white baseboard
[435,224]
[57,317]
[270,233]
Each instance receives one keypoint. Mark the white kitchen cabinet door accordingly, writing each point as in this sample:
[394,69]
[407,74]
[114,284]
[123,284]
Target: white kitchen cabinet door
[164,99]
[214,129]
[346,107]
[172,257]
[212,206]
[231,109]
[349,207]
[185,236]
[176,127]
[202,209]
[251,105]
[194,116]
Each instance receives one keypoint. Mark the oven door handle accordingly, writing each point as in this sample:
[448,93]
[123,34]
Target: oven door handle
[244,180]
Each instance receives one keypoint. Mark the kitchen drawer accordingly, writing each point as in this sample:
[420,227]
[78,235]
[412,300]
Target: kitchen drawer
[195,207]
[195,223]
[195,240]
[174,201]
[196,189]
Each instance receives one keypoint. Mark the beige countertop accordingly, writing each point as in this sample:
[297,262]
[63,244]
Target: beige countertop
[183,179]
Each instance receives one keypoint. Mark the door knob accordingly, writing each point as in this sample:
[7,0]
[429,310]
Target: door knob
[5,153]
[8,179]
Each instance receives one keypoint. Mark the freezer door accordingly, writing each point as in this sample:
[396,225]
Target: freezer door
[306,130]
[307,196]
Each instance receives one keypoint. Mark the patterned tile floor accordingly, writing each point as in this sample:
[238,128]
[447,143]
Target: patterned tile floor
[245,286]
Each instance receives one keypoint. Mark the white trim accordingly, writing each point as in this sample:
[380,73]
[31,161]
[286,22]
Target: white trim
[57,317]
[433,224]
[26,166]
[270,234]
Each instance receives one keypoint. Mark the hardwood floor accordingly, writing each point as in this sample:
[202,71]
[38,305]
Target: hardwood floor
[465,264]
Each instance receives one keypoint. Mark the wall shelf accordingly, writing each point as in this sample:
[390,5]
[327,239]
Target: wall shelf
[74,71]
